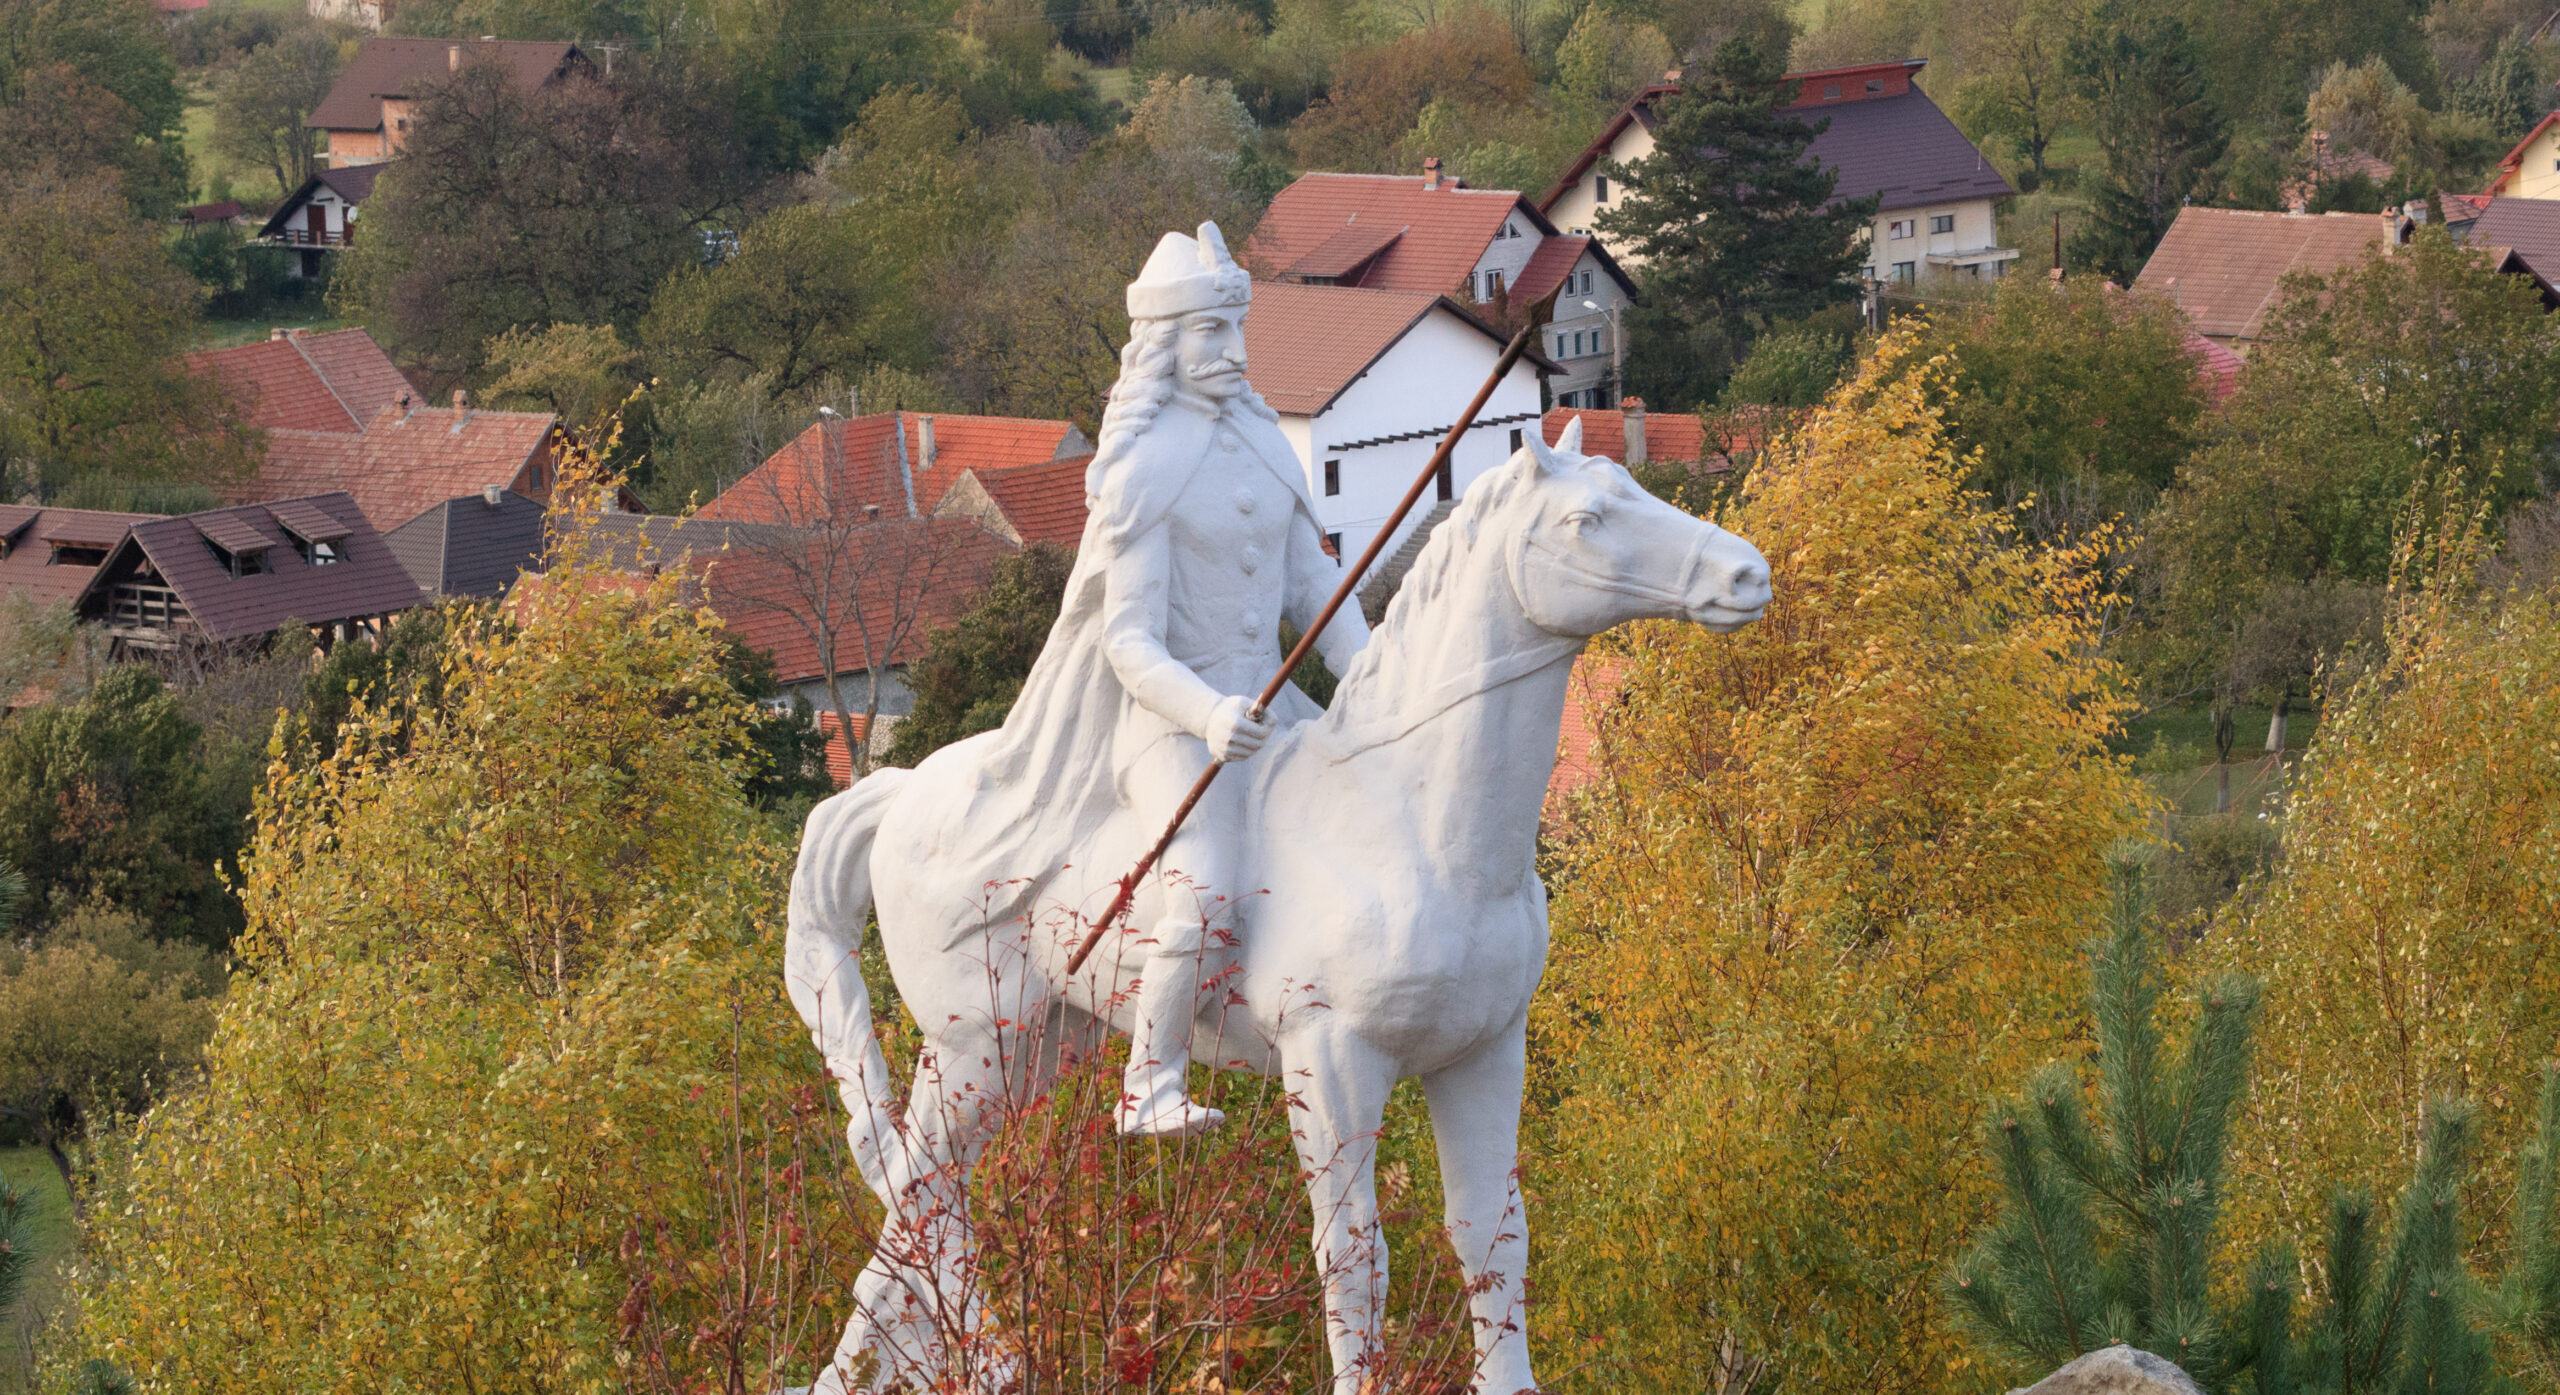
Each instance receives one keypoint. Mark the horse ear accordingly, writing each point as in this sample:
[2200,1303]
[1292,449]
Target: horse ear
[1570,443]
[1541,459]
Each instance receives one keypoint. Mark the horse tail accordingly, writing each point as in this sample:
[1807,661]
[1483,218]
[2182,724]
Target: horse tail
[822,963]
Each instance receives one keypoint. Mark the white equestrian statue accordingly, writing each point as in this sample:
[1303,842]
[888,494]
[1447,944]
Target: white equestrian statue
[1398,927]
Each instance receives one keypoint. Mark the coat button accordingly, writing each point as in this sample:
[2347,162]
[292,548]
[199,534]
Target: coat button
[1226,441]
[1246,503]
[1250,559]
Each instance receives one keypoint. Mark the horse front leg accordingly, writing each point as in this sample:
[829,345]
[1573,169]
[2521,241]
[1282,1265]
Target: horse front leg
[1338,1087]
[1475,1117]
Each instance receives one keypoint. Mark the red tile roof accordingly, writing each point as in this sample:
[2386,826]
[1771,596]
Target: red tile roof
[1672,436]
[2224,266]
[836,467]
[1305,344]
[1313,229]
[840,756]
[407,463]
[1028,503]
[1590,691]
[308,382]
[2217,366]
[1547,268]
[908,576]
[366,581]
[27,538]
[398,67]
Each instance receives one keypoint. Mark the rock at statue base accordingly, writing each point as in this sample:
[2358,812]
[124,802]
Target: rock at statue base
[2117,1370]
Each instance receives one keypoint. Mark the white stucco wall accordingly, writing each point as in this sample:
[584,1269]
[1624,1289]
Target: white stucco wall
[2537,173]
[1505,255]
[1577,210]
[1589,367]
[1977,229]
[1419,385]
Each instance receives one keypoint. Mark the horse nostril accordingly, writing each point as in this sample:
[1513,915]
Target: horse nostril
[1750,578]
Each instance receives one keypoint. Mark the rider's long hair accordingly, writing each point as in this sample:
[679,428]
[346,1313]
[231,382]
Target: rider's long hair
[1147,370]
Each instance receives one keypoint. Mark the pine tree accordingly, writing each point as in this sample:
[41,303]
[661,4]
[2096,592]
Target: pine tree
[2527,1303]
[2108,1234]
[1737,229]
[2142,80]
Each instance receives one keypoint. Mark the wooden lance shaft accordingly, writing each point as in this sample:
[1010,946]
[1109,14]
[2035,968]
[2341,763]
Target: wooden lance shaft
[1128,887]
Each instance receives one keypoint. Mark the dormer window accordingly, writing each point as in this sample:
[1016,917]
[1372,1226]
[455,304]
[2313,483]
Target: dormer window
[1831,92]
[1875,86]
[318,554]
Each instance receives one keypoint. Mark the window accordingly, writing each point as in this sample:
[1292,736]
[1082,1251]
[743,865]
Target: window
[1601,184]
[1560,341]
[1446,481]
[1906,272]
[1874,86]
[1831,92]
[1333,546]
[1471,287]
[1586,283]
[318,554]
[1942,222]
[1492,284]
[1577,343]
[1515,438]
[1898,228]
[1332,477]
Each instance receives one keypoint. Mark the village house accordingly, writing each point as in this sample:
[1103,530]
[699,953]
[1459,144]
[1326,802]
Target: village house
[2225,267]
[1491,249]
[368,15]
[238,575]
[473,546]
[1366,383]
[887,463]
[1023,504]
[366,114]
[320,216]
[294,380]
[409,459]
[2532,169]
[1937,210]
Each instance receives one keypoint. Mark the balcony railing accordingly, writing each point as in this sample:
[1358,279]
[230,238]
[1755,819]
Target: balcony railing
[135,606]
[305,237]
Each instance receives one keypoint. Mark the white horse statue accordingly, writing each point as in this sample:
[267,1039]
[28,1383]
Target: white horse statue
[1400,930]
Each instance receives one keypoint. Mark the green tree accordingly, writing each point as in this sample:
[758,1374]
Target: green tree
[1607,58]
[1736,227]
[1379,92]
[106,799]
[511,209]
[973,668]
[93,315]
[2082,395]
[2022,96]
[92,85]
[2140,76]
[2400,380]
[260,105]
[800,302]
[580,373]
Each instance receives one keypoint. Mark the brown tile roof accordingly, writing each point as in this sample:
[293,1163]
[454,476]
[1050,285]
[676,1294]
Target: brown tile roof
[1591,690]
[1305,344]
[407,463]
[397,67]
[27,553]
[2217,366]
[2223,266]
[180,554]
[1894,144]
[1431,238]
[1548,267]
[844,465]
[1028,503]
[470,546]
[924,571]
[2528,227]
[1672,436]
[332,382]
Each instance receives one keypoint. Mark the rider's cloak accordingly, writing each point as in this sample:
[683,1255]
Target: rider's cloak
[1044,785]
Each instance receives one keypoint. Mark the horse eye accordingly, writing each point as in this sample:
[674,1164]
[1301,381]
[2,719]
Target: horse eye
[1582,520]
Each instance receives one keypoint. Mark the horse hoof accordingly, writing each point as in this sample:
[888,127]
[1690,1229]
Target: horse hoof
[1179,1119]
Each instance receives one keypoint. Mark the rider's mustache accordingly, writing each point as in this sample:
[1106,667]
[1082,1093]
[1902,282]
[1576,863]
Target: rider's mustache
[1216,366]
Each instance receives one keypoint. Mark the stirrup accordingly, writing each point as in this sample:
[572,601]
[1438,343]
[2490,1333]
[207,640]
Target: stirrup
[1166,1112]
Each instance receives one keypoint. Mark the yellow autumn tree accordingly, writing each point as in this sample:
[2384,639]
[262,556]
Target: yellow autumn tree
[484,1107]
[1823,905]
[2406,942]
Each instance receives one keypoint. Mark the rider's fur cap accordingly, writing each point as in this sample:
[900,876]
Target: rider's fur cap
[1187,274]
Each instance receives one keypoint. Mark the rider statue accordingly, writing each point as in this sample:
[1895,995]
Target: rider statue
[1202,540]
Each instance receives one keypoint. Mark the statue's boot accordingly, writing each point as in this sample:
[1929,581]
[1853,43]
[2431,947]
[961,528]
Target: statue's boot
[1155,1098]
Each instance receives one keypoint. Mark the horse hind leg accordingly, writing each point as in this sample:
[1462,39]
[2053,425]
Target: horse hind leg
[1475,1120]
[1338,1098]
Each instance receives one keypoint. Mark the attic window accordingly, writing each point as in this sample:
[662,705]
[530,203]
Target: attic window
[1874,86]
[1831,92]
[318,554]
[239,564]
[75,555]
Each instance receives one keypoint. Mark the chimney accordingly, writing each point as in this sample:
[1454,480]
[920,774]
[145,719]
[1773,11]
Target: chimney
[1431,172]
[2392,236]
[2416,212]
[461,411]
[453,58]
[924,444]
[1632,409]
[274,334]
[460,398]
[489,494]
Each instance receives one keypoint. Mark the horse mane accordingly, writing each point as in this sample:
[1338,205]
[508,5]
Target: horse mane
[1370,679]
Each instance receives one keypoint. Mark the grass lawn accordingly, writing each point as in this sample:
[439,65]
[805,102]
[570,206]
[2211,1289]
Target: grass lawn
[1112,84]
[2182,739]
[225,334]
[32,1170]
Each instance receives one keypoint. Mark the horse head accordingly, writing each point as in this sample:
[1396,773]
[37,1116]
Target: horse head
[1596,550]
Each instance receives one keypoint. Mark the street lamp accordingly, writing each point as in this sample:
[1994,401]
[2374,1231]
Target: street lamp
[1617,346]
